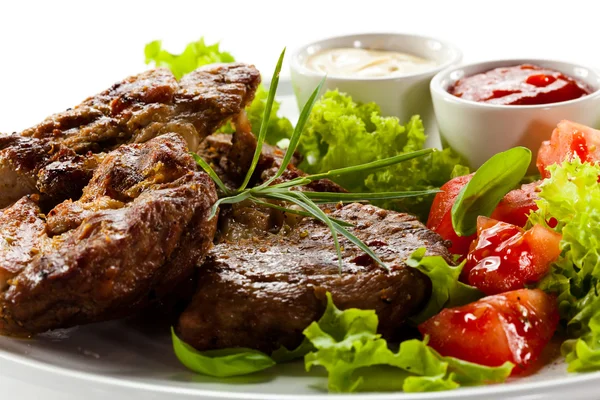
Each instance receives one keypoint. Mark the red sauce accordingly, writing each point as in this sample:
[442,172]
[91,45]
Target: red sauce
[519,85]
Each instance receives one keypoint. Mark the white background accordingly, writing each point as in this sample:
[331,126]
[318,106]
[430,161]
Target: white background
[54,54]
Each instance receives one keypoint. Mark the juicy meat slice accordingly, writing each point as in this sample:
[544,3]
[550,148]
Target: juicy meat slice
[135,110]
[152,103]
[263,292]
[138,230]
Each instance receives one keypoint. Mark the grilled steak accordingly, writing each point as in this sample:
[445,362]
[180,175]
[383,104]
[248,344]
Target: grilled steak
[152,103]
[262,292]
[132,111]
[136,232]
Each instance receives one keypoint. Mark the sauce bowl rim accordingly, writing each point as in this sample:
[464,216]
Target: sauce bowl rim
[437,88]
[456,57]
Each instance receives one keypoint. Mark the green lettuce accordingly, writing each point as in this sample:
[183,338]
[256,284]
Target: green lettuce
[571,196]
[446,289]
[197,54]
[358,359]
[342,133]
[220,363]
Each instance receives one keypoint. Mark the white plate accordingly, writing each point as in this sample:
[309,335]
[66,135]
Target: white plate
[125,360]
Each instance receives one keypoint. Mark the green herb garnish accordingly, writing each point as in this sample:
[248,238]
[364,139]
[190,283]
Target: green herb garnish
[220,363]
[496,177]
[285,191]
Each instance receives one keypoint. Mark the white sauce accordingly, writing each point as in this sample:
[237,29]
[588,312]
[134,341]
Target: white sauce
[355,62]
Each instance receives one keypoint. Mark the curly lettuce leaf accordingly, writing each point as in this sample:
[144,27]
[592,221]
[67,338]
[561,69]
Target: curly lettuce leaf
[446,289]
[343,133]
[571,197]
[358,359]
[220,363]
[197,54]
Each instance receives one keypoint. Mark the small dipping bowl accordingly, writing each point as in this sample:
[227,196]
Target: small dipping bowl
[400,96]
[477,130]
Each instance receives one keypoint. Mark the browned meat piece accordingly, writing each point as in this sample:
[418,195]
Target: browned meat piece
[132,111]
[152,103]
[138,230]
[231,156]
[66,177]
[263,292]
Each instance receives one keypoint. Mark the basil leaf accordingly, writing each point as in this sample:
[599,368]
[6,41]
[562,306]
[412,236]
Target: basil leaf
[496,177]
[220,363]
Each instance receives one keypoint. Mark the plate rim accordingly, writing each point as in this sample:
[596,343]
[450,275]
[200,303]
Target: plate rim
[514,389]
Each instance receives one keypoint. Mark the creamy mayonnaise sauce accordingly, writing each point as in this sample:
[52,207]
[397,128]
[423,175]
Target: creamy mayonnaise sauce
[355,62]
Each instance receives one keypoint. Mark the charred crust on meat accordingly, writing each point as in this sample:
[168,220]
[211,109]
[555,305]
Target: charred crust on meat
[113,250]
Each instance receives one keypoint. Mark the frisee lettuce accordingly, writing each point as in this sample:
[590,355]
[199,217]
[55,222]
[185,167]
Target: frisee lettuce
[358,359]
[342,133]
[197,54]
[571,197]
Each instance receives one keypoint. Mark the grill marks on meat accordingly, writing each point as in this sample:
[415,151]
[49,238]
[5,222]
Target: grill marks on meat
[262,293]
[137,232]
[153,103]
[135,110]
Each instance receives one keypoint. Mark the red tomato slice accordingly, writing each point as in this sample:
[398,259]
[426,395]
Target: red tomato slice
[515,207]
[440,215]
[513,326]
[505,257]
[568,140]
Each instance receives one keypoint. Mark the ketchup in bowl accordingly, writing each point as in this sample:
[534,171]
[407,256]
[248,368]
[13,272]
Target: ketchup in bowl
[520,85]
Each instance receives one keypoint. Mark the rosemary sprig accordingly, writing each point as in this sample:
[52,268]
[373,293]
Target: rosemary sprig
[307,200]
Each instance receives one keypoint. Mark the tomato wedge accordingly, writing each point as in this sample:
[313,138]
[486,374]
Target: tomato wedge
[505,257]
[515,207]
[440,215]
[568,140]
[513,326]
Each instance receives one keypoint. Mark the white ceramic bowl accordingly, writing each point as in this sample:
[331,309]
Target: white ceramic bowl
[479,130]
[400,96]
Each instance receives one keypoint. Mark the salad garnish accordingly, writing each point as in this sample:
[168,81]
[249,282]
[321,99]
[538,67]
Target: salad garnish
[570,200]
[342,133]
